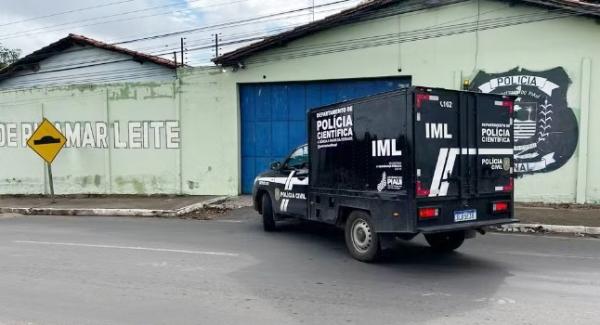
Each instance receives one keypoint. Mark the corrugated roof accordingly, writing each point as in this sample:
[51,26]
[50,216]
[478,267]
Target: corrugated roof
[135,54]
[74,39]
[356,13]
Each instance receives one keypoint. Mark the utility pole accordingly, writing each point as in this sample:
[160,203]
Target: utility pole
[182,49]
[175,57]
[313,10]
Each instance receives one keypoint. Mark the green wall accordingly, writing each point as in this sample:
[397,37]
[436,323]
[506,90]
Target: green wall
[204,102]
[199,157]
[571,42]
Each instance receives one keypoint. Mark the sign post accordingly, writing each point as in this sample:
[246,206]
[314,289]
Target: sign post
[51,182]
[47,142]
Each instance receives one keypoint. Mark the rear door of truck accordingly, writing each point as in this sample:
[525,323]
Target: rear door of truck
[463,159]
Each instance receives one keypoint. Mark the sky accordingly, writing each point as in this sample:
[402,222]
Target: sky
[31,24]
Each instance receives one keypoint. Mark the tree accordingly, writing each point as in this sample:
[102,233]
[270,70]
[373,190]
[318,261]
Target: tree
[8,56]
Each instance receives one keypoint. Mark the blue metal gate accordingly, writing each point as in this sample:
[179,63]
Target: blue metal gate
[273,115]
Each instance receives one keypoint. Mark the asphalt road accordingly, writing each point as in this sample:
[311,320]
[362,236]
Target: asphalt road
[96,270]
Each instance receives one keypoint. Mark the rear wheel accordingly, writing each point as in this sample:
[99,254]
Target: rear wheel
[445,241]
[361,239]
[267,213]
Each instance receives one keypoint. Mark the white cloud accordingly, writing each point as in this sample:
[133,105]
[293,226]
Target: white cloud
[175,15]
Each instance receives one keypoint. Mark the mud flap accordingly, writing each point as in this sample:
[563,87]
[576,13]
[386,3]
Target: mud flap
[387,241]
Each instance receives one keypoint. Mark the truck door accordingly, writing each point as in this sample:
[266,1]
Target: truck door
[491,144]
[437,142]
[291,196]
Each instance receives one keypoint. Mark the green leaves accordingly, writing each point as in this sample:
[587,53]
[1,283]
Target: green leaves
[8,56]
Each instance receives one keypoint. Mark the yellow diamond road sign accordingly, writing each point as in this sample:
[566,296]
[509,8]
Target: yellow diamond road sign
[47,141]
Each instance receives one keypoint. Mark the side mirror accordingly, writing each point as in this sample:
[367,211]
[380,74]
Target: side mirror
[302,172]
[276,165]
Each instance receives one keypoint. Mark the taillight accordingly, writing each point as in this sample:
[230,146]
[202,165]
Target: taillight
[428,213]
[499,207]
[420,190]
[510,186]
[422,97]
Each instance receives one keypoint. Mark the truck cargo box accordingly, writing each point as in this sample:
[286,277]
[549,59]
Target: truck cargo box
[427,147]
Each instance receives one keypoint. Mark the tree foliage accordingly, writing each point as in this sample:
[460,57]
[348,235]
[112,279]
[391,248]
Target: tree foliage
[8,56]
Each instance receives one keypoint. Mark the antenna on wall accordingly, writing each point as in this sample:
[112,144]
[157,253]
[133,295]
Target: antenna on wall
[217,44]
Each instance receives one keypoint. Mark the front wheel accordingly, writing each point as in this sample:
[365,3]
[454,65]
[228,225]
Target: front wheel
[445,241]
[361,239]
[267,214]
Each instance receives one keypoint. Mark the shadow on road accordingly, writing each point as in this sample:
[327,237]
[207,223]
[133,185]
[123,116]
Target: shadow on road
[309,263]
[403,252]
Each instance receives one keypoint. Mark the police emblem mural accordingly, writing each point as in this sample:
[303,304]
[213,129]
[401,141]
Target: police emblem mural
[546,130]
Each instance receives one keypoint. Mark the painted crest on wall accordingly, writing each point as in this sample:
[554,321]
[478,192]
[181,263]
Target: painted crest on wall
[546,130]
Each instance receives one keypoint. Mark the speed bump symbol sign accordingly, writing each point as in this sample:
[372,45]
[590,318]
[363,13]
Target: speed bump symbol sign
[47,141]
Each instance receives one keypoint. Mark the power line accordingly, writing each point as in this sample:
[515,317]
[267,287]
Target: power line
[67,12]
[318,47]
[127,38]
[408,10]
[231,24]
[79,76]
[161,51]
[235,35]
[228,23]
[252,35]
[409,36]
[53,28]
[100,62]
[404,10]
[352,44]
[432,31]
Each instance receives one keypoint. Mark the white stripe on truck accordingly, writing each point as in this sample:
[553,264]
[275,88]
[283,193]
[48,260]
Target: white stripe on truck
[494,151]
[437,174]
[487,151]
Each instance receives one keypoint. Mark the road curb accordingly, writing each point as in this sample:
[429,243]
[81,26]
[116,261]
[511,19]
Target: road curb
[115,212]
[542,228]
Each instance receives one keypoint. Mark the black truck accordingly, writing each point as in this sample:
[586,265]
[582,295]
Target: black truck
[393,165]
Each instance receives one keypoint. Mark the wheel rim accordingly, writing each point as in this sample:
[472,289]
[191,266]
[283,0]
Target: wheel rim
[361,235]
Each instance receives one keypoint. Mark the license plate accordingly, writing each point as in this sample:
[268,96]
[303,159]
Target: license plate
[465,215]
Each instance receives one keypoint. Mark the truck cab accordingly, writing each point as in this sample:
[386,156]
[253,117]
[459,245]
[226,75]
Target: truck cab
[419,160]
[286,184]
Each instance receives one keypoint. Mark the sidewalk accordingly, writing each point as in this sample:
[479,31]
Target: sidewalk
[565,219]
[107,205]
[535,218]
[572,216]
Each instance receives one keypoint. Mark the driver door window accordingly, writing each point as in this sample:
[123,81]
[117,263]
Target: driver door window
[298,159]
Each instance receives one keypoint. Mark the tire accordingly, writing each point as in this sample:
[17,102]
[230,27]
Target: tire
[361,239]
[445,242]
[267,214]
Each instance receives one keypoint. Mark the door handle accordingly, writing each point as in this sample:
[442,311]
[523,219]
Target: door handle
[451,178]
